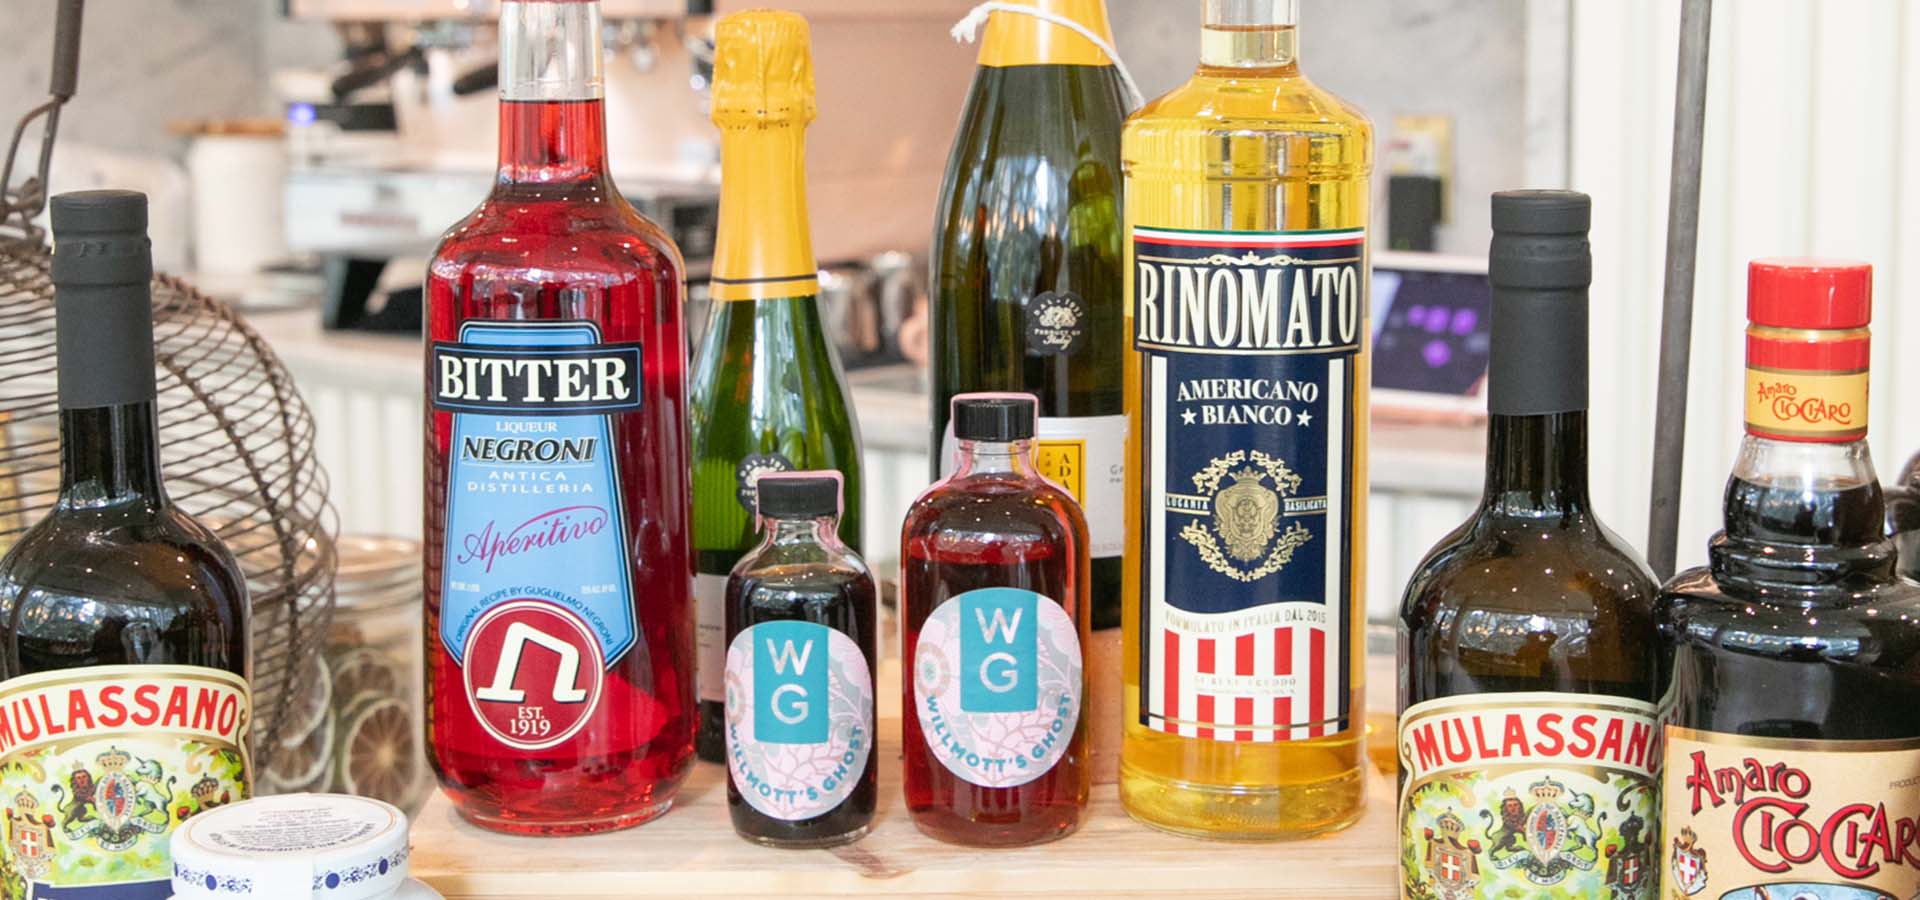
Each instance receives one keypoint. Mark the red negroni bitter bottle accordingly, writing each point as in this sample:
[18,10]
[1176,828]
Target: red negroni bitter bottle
[559,579]
[994,585]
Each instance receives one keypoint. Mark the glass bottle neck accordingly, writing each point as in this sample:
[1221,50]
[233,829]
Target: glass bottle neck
[1244,35]
[823,531]
[110,455]
[552,107]
[993,458]
[1803,521]
[1537,465]
[764,245]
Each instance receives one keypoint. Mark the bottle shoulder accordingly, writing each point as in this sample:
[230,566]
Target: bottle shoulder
[73,572]
[1529,567]
[1030,509]
[583,232]
[1244,106]
[1694,607]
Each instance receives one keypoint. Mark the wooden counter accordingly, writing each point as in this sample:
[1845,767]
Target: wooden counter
[693,852]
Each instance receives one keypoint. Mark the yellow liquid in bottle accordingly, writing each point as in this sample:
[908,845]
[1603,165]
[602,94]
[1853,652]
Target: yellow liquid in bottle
[1245,148]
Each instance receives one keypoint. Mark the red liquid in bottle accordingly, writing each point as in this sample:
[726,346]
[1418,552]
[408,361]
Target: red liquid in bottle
[978,542]
[559,618]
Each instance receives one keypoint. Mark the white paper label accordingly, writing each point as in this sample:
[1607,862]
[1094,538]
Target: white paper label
[710,637]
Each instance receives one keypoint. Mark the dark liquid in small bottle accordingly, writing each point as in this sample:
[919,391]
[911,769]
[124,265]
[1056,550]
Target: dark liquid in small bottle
[1019,545]
[841,599]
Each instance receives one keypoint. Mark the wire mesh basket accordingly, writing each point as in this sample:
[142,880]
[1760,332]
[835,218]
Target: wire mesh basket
[237,450]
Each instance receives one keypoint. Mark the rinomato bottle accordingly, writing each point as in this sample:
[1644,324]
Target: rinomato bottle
[994,599]
[558,572]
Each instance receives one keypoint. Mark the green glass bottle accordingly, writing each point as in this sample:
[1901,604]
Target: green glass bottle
[768,393]
[1026,265]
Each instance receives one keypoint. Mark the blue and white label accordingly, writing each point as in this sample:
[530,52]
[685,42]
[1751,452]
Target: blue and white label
[537,598]
[1250,388]
[799,718]
[998,681]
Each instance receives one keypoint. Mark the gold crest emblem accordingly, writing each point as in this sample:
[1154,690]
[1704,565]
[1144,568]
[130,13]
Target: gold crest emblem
[1243,538]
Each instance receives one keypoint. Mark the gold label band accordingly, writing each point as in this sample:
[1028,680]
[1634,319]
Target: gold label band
[1807,406]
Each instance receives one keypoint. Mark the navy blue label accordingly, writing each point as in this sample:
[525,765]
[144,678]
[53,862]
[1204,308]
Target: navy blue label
[1251,343]
[537,598]
[126,890]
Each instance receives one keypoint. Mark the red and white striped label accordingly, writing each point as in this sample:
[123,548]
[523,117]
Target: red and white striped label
[1250,404]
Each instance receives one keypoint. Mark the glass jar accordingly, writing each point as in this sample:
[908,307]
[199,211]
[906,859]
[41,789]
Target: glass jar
[356,724]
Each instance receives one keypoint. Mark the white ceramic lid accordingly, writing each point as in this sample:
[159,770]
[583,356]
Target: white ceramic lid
[290,847]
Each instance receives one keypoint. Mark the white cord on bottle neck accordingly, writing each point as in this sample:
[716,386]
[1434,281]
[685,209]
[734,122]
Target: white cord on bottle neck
[968,28]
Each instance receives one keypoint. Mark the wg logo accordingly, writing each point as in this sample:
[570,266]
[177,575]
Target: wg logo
[1241,536]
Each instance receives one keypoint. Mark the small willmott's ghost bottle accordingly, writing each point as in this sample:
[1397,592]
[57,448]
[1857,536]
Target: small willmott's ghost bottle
[994,596]
[800,620]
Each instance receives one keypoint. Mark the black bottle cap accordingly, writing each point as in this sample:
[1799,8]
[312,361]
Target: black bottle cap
[103,301]
[995,418]
[1540,266]
[798,495]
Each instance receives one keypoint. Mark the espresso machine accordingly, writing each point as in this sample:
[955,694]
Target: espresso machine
[369,195]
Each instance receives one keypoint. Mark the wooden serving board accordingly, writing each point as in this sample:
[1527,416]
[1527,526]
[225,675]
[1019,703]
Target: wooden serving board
[693,852]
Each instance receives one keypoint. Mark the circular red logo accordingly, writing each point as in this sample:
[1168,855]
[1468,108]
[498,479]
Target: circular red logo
[533,672]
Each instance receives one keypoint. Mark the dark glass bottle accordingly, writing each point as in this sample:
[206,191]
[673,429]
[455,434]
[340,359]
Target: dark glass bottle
[994,598]
[1026,266]
[1530,615]
[559,568]
[1794,686]
[801,646]
[123,622]
[768,392]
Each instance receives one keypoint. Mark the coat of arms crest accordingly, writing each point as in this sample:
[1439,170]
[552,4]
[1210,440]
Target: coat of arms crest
[114,810]
[1243,538]
[1547,838]
[1453,865]
[1689,863]
[30,836]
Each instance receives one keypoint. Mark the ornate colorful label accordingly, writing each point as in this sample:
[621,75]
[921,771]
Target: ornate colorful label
[1537,795]
[536,601]
[99,765]
[1086,455]
[799,718]
[997,679]
[1251,379]
[1805,385]
[1787,819]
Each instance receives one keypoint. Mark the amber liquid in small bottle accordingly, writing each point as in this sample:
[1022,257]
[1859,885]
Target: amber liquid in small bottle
[994,591]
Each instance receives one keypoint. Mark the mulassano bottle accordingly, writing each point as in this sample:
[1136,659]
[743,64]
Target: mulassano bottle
[768,392]
[1528,656]
[1246,199]
[124,706]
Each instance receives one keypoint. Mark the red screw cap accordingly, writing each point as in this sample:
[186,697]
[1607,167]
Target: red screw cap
[1821,294]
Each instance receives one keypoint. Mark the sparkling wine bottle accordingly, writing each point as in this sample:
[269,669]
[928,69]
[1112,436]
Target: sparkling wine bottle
[768,393]
[558,589]
[1025,272]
